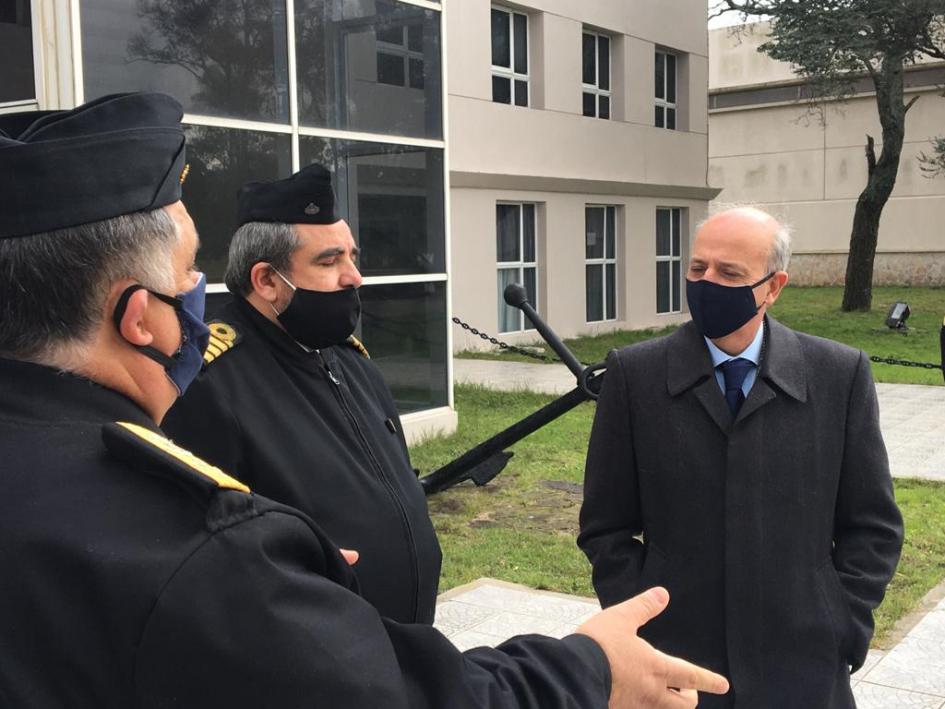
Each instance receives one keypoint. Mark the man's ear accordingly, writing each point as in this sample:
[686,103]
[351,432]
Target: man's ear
[263,279]
[776,285]
[132,325]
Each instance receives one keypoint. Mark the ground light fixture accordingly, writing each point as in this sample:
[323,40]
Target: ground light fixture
[897,316]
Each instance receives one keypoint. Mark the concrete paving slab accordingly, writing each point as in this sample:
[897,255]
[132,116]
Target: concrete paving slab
[486,612]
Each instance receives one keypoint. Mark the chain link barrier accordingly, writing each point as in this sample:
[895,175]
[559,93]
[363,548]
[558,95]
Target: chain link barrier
[545,358]
[904,362]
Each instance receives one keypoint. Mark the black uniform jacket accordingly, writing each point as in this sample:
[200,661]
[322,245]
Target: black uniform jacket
[776,533]
[135,576]
[318,431]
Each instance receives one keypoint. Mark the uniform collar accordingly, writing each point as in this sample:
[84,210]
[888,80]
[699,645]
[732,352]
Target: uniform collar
[34,392]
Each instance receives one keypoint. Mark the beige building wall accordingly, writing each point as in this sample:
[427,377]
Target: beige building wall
[551,155]
[810,168]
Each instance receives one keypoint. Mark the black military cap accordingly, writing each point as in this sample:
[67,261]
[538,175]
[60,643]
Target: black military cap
[118,154]
[304,198]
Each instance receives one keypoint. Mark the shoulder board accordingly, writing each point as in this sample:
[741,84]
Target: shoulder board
[223,337]
[354,342]
[139,446]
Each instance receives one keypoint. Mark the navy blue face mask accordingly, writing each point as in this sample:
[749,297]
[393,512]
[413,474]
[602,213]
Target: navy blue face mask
[719,310]
[184,365]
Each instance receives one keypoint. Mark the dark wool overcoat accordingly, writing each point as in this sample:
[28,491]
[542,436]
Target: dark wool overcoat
[776,533]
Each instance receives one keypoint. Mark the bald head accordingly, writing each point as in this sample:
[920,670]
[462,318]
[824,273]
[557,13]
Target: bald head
[743,243]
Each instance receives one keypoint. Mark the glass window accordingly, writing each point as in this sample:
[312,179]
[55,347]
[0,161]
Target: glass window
[665,83]
[392,197]
[600,263]
[509,57]
[16,52]
[229,61]
[221,161]
[517,260]
[404,327]
[668,260]
[595,73]
[369,66]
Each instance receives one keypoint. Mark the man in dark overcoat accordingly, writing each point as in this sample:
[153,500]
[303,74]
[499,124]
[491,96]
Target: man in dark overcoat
[134,574]
[740,464]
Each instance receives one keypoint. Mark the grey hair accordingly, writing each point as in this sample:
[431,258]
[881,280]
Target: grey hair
[54,285]
[779,257]
[272,242]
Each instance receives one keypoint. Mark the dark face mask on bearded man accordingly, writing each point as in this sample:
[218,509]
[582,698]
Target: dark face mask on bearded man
[320,319]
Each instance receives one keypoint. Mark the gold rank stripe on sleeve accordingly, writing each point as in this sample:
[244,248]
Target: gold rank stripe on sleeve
[223,337]
[184,456]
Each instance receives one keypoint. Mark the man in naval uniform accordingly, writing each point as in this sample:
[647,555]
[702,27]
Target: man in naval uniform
[290,403]
[134,573]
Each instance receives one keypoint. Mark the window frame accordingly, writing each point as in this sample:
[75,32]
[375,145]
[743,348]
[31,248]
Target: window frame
[520,265]
[664,103]
[509,71]
[595,87]
[670,258]
[602,263]
[403,52]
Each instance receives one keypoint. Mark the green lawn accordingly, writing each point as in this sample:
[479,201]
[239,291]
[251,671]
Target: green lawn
[522,526]
[817,311]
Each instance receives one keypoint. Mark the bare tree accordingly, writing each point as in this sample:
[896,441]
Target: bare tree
[833,45]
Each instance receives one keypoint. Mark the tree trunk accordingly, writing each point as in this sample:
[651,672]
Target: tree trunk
[858,288]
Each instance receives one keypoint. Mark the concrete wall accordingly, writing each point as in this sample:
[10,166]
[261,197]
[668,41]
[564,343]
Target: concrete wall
[553,156]
[810,168]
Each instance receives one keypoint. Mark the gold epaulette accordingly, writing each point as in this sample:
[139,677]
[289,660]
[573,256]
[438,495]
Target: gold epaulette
[223,337]
[143,448]
[354,342]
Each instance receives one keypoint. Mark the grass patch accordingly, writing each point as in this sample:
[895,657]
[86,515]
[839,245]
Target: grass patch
[817,311]
[522,526]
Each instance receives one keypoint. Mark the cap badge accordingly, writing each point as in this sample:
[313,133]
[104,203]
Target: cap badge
[312,209]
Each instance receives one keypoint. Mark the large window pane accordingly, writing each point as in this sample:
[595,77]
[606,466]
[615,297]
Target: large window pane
[507,223]
[677,228]
[594,292]
[662,286]
[501,39]
[588,68]
[221,161]
[530,276]
[594,232]
[603,64]
[224,58]
[392,197]
[660,82]
[663,232]
[16,51]
[521,43]
[342,85]
[404,328]
[509,317]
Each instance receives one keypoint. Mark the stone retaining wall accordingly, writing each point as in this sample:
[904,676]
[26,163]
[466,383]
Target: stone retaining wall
[889,269]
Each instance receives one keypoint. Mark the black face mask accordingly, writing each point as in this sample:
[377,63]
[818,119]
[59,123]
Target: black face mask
[320,319]
[720,310]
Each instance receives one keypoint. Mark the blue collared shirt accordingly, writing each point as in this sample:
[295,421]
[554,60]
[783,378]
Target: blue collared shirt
[751,353]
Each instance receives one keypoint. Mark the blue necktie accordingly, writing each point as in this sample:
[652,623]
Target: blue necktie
[735,371]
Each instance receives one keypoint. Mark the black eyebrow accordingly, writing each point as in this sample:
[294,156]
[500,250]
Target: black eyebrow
[335,251]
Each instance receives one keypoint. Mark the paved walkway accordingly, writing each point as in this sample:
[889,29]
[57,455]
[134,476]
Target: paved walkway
[912,416]
[909,676]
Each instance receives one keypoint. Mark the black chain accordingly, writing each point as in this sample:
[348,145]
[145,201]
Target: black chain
[503,345]
[545,358]
[904,362]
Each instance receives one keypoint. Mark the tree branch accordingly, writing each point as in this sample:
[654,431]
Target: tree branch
[911,103]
